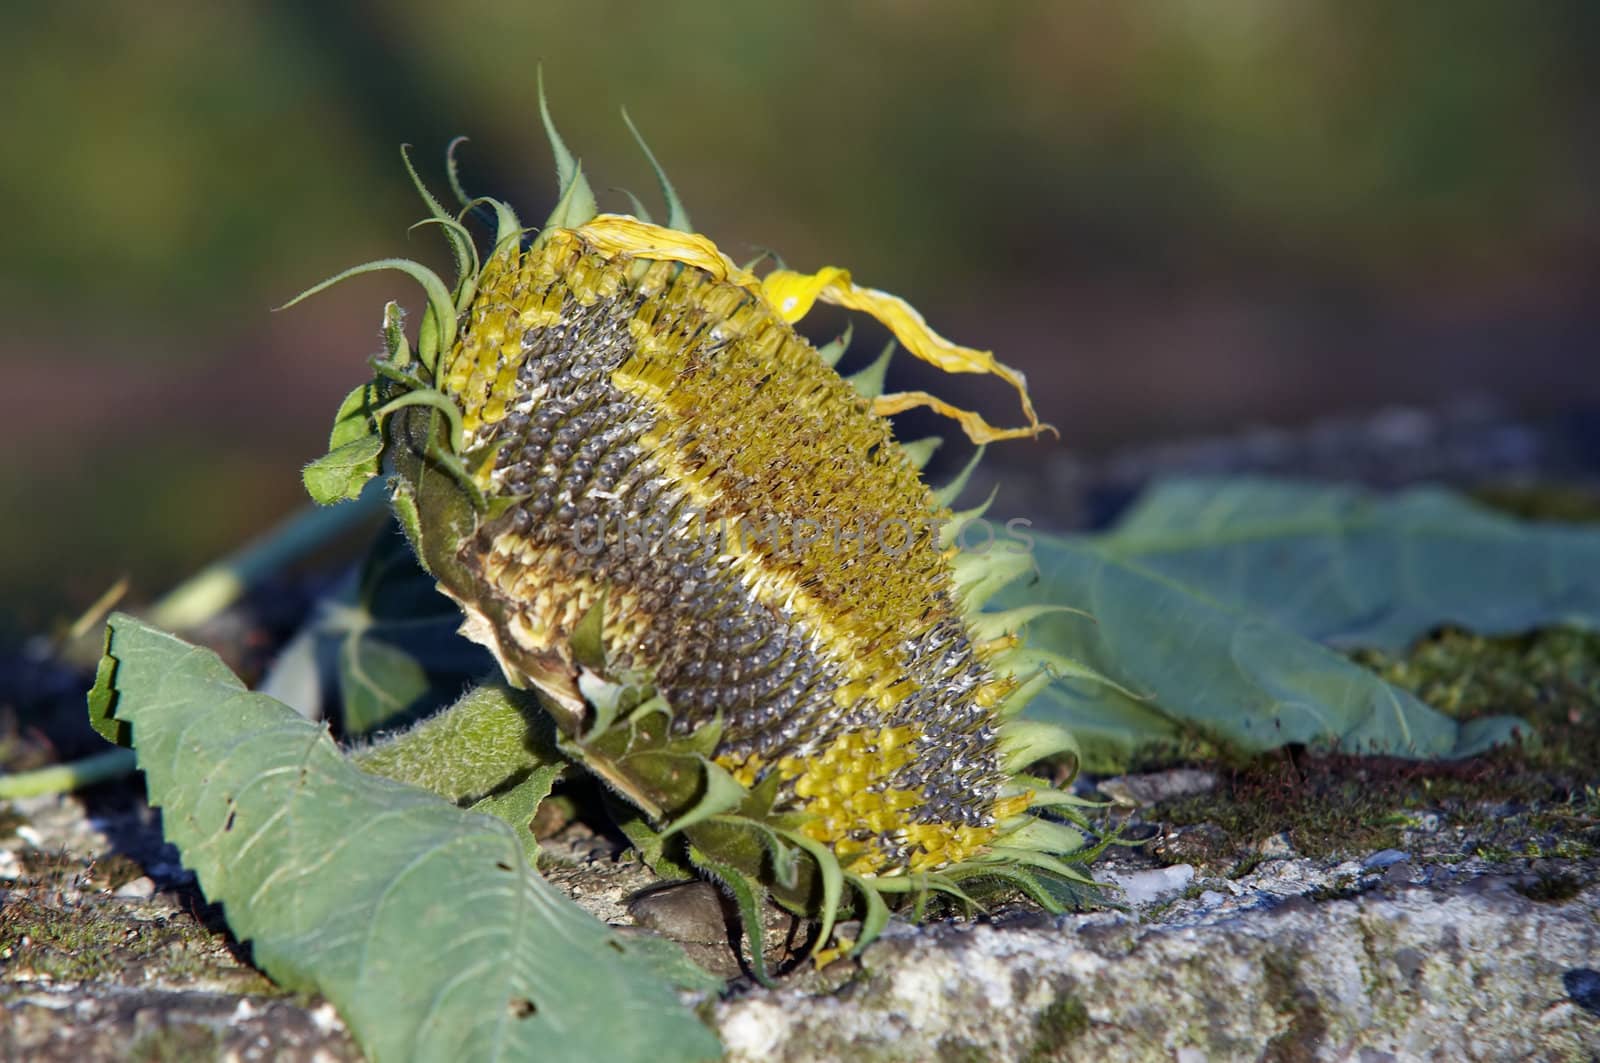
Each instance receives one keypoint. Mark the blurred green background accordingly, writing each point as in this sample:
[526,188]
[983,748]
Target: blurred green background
[1175,216]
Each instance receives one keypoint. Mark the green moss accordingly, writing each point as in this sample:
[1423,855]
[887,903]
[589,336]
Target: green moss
[1062,1022]
[51,928]
[1328,806]
[1538,798]
[1550,678]
[87,941]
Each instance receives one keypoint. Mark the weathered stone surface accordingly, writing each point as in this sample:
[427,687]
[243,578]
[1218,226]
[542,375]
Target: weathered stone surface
[1472,971]
[1384,955]
[1144,790]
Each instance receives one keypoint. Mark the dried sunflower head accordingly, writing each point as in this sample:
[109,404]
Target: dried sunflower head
[662,509]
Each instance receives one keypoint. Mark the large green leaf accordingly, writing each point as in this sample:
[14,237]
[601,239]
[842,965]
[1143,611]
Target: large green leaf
[1214,671]
[1355,569]
[1213,599]
[422,923]
[386,642]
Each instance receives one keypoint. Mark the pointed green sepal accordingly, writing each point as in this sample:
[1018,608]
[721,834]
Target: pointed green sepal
[677,217]
[640,211]
[950,531]
[921,451]
[461,245]
[836,347]
[869,381]
[1025,742]
[1046,836]
[721,793]
[577,204]
[832,882]
[748,895]
[508,227]
[946,496]
[394,335]
[608,700]
[1026,663]
[452,170]
[440,302]
[986,626]
[980,576]
[876,918]
[1044,861]
[588,636]
[439,401]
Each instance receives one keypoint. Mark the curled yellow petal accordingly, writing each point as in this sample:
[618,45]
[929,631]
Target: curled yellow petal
[793,294]
[620,234]
[978,430]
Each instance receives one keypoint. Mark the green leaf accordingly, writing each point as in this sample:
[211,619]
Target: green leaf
[378,682]
[588,636]
[393,641]
[102,702]
[357,416]
[1224,587]
[1355,569]
[1221,672]
[421,923]
[487,743]
[670,963]
[340,474]
[518,805]
[355,445]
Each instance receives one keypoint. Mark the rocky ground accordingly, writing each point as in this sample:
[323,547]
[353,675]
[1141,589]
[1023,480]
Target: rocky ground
[1288,907]
[1457,942]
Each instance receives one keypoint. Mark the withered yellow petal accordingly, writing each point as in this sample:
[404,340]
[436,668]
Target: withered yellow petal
[621,234]
[978,430]
[793,294]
